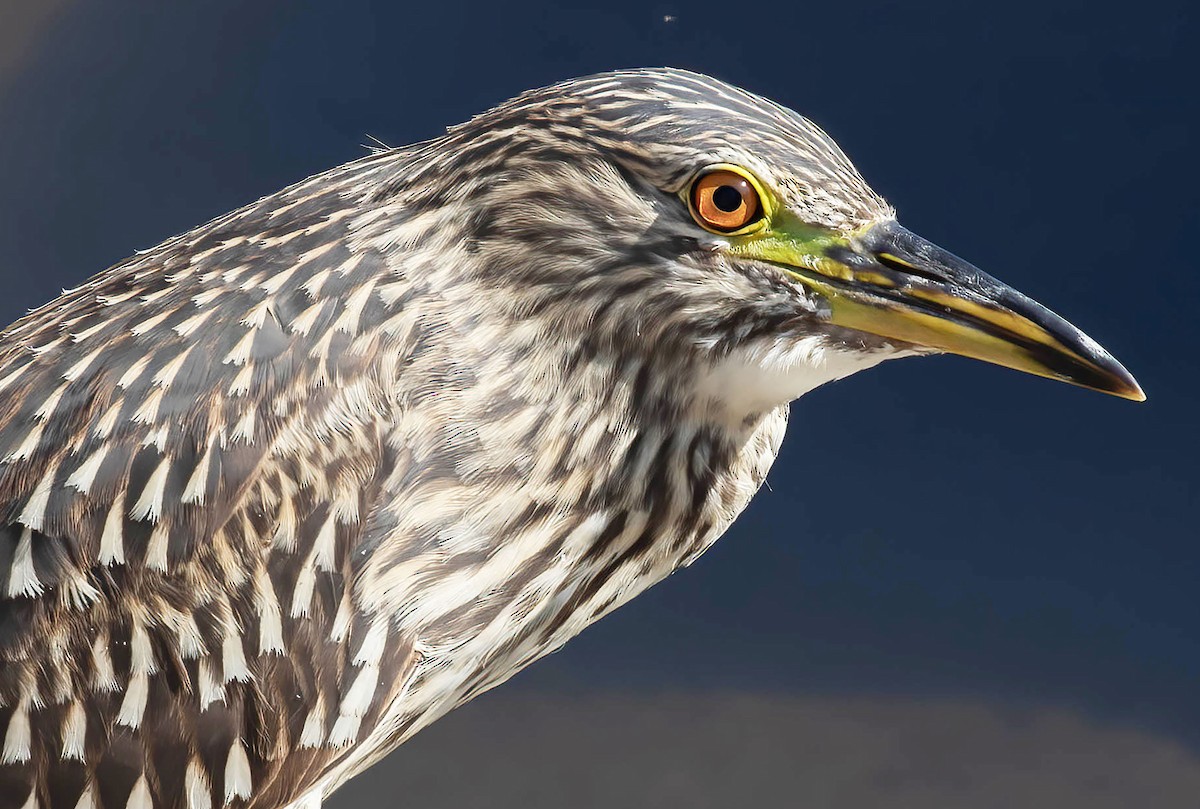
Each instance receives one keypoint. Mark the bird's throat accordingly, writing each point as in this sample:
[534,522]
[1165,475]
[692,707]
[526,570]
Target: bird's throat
[760,376]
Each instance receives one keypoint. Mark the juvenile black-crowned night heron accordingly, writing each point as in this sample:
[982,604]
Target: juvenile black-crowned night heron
[283,490]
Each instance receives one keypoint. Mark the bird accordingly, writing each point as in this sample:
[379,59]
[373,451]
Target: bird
[283,490]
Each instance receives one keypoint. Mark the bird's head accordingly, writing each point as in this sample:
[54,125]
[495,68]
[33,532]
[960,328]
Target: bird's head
[663,211]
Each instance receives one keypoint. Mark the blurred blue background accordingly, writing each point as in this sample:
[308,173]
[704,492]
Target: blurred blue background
[947,533]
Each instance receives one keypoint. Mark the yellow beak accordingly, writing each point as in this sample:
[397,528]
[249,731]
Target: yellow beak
[890,282]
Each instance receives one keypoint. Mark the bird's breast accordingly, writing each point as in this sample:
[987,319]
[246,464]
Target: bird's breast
[487,574]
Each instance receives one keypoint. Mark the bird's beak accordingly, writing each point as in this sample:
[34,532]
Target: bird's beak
[890,282]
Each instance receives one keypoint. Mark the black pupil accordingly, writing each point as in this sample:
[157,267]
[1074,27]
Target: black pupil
[727,198]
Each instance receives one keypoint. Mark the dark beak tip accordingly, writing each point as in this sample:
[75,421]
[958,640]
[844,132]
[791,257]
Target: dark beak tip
[1119,382]
[1133,391]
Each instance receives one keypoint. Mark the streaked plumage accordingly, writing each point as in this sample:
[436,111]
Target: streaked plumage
[285,489]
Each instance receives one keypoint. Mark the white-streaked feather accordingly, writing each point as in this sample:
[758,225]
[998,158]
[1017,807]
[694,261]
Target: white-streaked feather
[238,783]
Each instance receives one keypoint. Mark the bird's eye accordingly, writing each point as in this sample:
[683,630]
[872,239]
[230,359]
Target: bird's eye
[725,201]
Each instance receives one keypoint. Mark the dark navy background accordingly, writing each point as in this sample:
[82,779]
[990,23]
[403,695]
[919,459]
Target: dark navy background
[933,527]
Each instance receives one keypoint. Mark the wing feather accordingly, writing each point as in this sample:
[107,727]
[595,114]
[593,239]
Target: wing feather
[189,443]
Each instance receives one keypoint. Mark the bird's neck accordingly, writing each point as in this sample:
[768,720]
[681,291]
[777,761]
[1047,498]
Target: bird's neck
[535,494]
